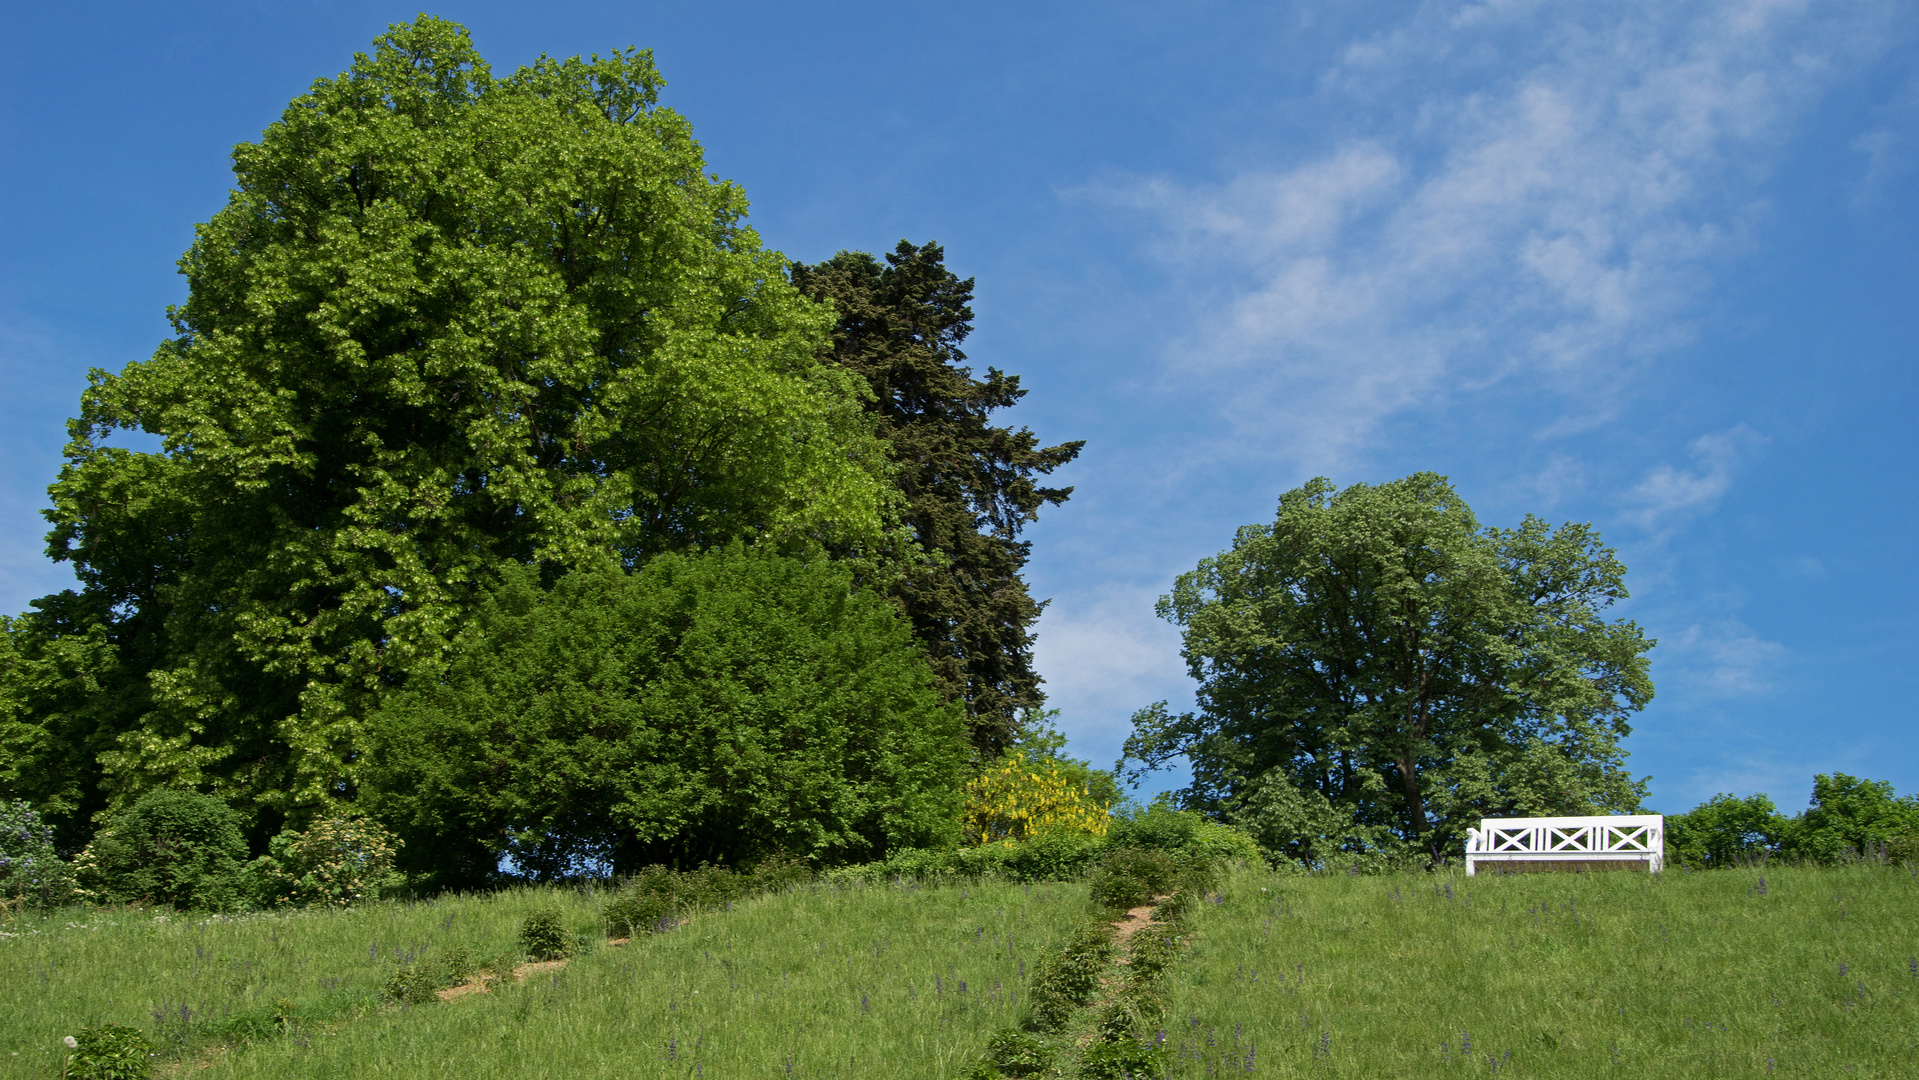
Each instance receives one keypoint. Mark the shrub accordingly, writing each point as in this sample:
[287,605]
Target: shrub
[656,898]
[171,847]
[110,1052]
[1725,829]
[1067,979]
[543,935]
[414,984]
[1014,800]
[420,980]
[1852,818]
[340,860]
[1124,1059]
[31,871]
[1015,1053]
[1151,952]
[1184,834]
[580,721]
[1129,877]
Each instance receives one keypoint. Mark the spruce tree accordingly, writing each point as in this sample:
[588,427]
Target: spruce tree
[969,486]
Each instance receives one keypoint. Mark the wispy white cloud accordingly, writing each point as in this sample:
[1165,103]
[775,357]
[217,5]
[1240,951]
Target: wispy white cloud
[1668,491]
[1105,657]
[1725,659]
[1550,209]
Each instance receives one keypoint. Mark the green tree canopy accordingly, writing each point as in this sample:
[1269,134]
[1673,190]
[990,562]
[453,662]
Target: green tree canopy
[1377,672]
[721,706]
[444,320]
[969,486]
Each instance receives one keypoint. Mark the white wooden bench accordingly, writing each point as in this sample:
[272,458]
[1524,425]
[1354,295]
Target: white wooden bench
[1566,843]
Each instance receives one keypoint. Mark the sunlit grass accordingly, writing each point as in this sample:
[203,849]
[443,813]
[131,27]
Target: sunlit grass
[819,982]
[1781,971]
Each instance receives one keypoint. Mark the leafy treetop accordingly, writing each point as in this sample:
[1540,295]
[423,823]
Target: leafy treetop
[445,320]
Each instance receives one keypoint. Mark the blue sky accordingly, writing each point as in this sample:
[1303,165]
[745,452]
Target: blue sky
[1650,265]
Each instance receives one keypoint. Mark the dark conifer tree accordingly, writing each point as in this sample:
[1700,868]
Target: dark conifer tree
[969,486]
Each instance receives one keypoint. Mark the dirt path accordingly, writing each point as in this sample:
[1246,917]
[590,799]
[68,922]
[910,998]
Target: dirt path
[482,983]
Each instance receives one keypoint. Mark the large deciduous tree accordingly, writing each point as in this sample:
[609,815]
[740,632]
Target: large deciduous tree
[721,706]
[445,320]
[1377,672]
[969,486]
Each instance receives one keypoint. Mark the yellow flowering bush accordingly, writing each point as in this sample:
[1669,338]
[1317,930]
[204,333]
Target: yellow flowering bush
[1013,800]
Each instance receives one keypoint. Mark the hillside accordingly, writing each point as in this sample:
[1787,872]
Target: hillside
[1780,971]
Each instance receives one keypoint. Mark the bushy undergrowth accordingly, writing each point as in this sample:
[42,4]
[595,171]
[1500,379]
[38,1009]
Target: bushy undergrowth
[339,860]
[31,870]
[170,847]
[110,1052]
[658,898]
[1849,819]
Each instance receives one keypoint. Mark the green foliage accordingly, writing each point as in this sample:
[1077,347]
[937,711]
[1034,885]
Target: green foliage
[969,487]
[1377,672]
[444,320]
[1016,1053]
[1062,855]
[1725,831]
[1128,877]
[1066,979]
[66,696]
[1183,834]
[418,979]
[339,860]
[543,935]
[110,1052]
[31,870]
[1038,737]
[170,847]
[1852,818]
[1849,819]
[718,707]
[657,898]
[414,984]
[1123,1058]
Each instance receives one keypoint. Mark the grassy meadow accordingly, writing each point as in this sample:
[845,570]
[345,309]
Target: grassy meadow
[822,981]
[1782,971]
[1779,971]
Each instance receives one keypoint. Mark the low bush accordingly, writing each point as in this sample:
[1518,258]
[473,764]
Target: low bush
[1014,1053]
[171,847]
[32,873]
[1065,980]
[419,980]
[657,899]
[1849,819]
[543,935]
[1129,877]
[1183,834]
[110,1052]
[1124,1059]
[338,861]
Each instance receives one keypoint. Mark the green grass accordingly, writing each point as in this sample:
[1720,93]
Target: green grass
[833,981]
[1573,975]
[1592,975]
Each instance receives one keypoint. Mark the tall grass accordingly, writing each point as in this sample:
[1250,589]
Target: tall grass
[821,981]
[1769,972]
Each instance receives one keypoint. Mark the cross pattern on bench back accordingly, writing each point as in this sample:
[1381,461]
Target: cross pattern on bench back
[1635,837]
